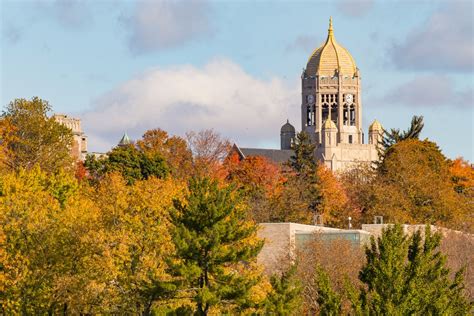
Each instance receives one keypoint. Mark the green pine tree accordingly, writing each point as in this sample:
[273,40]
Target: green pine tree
[285,298]
[394,136]
[304,164]
[328,300]
[131,162]
[212,237]
[407,276]
[303,161]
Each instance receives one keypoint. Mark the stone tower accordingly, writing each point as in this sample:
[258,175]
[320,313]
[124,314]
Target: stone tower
[287,135]
[330,86]
[79,146]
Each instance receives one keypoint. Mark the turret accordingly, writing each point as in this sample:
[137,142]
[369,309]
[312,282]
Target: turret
[329,131]
[375,133]
[287,135]
[124,141]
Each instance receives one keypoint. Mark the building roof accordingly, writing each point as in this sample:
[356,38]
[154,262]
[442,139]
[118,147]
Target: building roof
[330,57]
[329,124]
[275,155]
[287,128]
[125,140]
[375,126]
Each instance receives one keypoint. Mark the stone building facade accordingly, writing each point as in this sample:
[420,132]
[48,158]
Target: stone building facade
[331,107]
[79,146]
[331,112]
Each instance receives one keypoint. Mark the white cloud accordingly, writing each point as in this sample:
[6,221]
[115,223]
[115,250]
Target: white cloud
[156,25]
[445,42]
[219,95]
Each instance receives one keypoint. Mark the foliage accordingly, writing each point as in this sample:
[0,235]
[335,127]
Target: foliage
[339,259]
[395,136]
[132,163]
[174,151]
[35,139]
[212,238]
[414,185]
[285,297]
[258,180]
[462,177]
[303,161]
[44,266]
[333,200]
[328,300]
[136,241]
[209,150]
[407,275]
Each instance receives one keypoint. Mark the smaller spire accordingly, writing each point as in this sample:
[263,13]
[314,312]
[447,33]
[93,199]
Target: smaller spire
[330,29]
[125,140]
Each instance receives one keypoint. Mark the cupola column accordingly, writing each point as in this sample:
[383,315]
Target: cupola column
[340,102]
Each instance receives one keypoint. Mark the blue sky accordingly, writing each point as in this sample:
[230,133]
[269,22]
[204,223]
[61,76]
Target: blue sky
[235,66]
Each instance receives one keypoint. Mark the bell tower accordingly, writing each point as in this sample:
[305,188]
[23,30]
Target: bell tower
[331,90]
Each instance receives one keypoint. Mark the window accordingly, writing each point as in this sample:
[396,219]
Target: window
[350,139]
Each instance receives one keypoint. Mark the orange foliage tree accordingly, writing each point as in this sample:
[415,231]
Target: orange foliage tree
[173,149]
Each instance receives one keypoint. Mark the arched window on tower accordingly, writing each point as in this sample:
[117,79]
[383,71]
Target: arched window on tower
[310,115]
[334,113]
[352,116]
[345,115]
[325,112]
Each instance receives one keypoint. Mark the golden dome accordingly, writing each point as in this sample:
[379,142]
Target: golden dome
[330,57]
[329,124]
[375,126]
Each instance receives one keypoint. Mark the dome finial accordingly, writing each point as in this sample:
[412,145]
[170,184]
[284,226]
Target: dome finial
[330,30]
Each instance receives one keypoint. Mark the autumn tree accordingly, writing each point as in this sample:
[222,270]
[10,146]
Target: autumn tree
[212,238]
[407,275]
[333,200]
[462,176]
[135,242]
[258,180]
[209,149]
[413,185]
[35,138]
[173,149]
[45,267]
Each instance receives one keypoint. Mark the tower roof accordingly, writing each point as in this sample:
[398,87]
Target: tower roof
[125,140]
[287,128]
[375,126]
[330,57]
[329,124]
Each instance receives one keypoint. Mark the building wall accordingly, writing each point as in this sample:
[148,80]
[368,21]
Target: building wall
[344,156]
[79,146]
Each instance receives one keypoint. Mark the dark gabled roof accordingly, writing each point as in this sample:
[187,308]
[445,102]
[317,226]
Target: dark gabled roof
[275,155]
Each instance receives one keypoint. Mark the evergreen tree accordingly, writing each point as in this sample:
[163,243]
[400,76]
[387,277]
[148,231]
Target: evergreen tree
[407,276]
[303,159]
[394,136]
[285,298]
[132,163]
[304,164]
[212,238]
[328,300]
